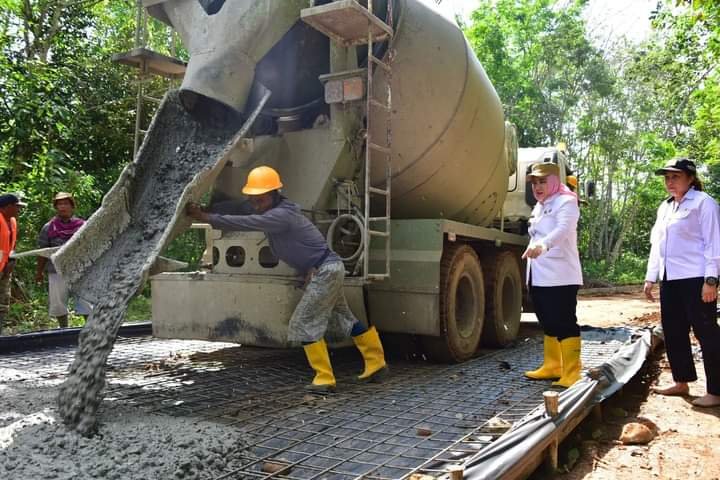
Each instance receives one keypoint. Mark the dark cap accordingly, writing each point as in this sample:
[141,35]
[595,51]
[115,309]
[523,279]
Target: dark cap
[10,199]
[678,165]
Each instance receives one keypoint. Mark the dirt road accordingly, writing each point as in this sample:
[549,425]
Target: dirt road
[688,441]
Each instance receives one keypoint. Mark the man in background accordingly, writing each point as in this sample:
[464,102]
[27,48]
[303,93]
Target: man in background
[54,234]
[10,206]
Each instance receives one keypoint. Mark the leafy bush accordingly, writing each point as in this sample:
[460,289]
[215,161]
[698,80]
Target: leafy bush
[629,269]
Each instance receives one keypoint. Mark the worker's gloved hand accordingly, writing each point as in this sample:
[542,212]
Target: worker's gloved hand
[195,211]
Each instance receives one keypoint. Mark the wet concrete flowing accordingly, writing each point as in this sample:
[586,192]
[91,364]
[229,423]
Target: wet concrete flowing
[176,150]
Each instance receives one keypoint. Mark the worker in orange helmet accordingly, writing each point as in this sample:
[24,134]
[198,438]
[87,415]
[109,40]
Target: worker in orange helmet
[10,206]
[299,243]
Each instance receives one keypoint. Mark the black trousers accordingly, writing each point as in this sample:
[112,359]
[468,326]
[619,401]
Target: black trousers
[555,310]
[681,307]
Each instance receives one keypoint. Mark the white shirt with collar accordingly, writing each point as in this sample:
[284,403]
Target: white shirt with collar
[685,240]
[553,225]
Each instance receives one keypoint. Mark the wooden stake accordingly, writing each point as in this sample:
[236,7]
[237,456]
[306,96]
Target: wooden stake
[551,403]
[456,473]
[551,461]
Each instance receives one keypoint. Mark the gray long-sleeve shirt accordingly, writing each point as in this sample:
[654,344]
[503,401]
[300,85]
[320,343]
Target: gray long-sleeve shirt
[293,238]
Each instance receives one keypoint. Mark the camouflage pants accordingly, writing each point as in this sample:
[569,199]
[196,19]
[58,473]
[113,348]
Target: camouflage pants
[322,310]
[5,277]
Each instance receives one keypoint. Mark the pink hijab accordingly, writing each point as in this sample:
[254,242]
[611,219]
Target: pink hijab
[555,186]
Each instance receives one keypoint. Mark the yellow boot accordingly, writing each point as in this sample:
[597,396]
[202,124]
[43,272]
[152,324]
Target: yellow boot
[552,366]
[372,352]
[319,359]
[571,365]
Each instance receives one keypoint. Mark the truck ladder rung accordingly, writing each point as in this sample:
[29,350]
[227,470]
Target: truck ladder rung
[377,233]
[379,62]
[378,276]
[379,191]
[152,99]
[379,105]
[379,148]
[379,219]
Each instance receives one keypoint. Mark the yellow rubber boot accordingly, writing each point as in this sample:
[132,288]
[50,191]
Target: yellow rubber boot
[571,364]
[372,352]
[552,365]
[319,359]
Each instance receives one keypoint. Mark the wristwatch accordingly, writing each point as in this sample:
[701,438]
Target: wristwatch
[712,281]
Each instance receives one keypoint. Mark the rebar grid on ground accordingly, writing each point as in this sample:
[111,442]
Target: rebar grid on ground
[422,417]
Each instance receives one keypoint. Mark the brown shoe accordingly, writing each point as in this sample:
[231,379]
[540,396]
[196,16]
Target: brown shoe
[707,401]
[674,390]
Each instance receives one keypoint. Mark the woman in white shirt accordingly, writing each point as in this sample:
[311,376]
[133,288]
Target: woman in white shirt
[554,274]
[684,254]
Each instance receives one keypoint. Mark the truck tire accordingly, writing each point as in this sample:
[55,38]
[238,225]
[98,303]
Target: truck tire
[503,304]
[462,306]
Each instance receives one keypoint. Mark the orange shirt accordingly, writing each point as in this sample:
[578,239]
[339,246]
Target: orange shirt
[8,237]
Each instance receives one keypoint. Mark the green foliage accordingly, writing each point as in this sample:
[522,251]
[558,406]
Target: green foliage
[622,112]
[67,115]
[540,61]
[65,118]
[629,269]
[139,310]
[188,247]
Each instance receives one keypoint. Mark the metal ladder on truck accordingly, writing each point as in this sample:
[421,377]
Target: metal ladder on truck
[148,63]
[350,23]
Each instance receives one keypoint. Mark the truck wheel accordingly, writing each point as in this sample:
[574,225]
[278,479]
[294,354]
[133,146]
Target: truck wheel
[503,305]
[462,306]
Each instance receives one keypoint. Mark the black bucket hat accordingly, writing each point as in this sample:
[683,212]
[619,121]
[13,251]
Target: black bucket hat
[678,165]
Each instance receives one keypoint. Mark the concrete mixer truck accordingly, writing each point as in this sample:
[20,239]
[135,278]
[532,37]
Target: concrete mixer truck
[388,133]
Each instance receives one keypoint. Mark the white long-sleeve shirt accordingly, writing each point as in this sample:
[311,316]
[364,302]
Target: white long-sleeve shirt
[553,225]
[685,240]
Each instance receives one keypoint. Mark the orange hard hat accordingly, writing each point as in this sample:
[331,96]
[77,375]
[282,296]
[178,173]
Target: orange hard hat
[261,180]
[572,181]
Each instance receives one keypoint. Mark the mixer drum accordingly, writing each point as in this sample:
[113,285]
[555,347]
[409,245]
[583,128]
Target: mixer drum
[448,156]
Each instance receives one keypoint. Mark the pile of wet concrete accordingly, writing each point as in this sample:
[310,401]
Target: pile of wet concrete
[109,269]
[128,445]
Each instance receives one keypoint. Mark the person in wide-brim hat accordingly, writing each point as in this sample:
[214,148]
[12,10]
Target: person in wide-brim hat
[56,233]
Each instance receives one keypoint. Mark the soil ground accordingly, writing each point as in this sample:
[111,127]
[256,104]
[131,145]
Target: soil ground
[688,441]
